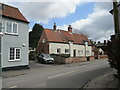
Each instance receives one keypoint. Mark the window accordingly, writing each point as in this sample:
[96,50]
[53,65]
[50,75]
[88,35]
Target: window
[58,50]
[8,27]
[43,41]
[11,27]
[14,27]
[14,54]
[80,52]
[66,50]
[87,52]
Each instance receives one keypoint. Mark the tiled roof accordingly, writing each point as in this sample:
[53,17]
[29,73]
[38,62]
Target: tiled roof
[65,37]
[12,12]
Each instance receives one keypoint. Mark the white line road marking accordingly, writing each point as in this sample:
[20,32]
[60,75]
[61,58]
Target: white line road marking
[13,87]
[62,74]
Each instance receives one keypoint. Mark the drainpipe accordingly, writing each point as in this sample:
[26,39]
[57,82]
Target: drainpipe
[1,34]
[85,51]
[0,38]
[70,48]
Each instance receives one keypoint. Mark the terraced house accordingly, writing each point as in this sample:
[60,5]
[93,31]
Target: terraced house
[55,41]
[15,38]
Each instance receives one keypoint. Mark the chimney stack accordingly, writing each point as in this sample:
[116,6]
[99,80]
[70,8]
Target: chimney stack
[54,26]
[70,28]
[105,42]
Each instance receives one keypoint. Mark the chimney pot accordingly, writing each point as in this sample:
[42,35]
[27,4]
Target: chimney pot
[70,28]
[54,26]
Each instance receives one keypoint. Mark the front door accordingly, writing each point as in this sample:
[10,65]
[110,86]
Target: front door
[74,53]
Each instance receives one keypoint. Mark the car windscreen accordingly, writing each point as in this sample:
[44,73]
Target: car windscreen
[46,55]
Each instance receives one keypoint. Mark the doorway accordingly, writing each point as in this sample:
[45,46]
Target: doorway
[74,53]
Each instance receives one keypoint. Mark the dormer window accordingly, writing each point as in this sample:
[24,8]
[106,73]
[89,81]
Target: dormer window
[11,27]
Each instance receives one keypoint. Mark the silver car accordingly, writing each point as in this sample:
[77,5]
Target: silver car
[45,58]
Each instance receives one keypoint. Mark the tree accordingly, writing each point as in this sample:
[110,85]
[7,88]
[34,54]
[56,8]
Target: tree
[35,35]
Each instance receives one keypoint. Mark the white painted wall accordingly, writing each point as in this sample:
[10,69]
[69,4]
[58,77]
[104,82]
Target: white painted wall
[89,48]
[100,50]
[54,46]
[80,49]
[15,41]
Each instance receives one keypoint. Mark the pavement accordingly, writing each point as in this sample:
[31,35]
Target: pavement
[107,80]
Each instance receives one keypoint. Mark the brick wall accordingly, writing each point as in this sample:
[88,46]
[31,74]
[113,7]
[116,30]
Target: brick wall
[43,47]
[75,60]
[102,56]
[81,59]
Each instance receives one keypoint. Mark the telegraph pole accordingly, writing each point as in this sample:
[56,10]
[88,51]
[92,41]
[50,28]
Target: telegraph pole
[117,37]
[116,16]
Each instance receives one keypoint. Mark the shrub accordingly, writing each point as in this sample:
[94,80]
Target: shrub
[33,55]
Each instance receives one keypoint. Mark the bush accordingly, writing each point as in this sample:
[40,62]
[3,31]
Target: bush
[33,55]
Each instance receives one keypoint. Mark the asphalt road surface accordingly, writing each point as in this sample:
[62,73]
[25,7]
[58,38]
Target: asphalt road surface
[61,76]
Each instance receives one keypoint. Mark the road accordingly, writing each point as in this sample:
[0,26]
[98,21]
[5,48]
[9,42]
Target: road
[61,76]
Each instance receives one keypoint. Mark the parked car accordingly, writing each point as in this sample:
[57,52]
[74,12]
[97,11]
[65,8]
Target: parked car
[45,58]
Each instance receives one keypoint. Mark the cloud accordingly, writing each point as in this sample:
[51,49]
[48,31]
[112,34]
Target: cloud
[41,12]
[98,25]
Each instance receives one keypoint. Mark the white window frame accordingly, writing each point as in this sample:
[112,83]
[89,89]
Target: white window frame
[15,54]
[17,27]
[11,28]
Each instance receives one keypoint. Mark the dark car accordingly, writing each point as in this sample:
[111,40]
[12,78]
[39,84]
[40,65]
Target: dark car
[45,58]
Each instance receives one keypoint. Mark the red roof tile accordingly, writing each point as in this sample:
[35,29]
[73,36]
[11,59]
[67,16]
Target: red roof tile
[12,12]
[65,36]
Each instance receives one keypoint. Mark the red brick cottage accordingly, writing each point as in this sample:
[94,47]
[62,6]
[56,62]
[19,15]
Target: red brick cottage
[55,41]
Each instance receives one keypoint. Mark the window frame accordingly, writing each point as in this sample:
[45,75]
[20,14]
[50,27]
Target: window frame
[11,28]
[16,28]
[15,54]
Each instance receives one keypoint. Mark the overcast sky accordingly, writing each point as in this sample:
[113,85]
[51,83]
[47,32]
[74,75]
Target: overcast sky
[90,18]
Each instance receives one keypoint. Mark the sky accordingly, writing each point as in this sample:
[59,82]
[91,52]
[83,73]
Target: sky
[90,18]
